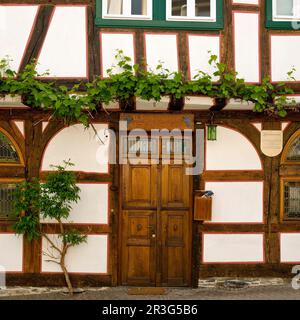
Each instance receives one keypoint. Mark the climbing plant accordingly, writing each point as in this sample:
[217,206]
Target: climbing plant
[52,199]
[127,80]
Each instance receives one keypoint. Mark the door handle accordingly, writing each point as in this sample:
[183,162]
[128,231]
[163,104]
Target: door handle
[152,230]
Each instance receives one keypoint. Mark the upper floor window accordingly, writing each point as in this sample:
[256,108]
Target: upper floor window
[127,9]
[286,9]
[282,14]
[170,14]
[191,10]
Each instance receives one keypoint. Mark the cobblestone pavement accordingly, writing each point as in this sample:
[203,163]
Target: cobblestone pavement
[283,291]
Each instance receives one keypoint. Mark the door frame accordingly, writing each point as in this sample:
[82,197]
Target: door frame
[191,209]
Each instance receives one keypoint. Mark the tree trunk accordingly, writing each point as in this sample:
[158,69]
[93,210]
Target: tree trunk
[65,271]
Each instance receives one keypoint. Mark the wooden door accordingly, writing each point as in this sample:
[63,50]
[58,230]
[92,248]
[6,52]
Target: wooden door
[155,231]
[138,224]
[175,219]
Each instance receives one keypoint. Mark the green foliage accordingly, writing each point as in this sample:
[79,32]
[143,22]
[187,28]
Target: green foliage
[73,237]
[27,208]
[127,80]
[51,199]
[58,193]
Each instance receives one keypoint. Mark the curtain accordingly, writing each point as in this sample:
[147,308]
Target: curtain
[139,7]
[285,7]
[114,6]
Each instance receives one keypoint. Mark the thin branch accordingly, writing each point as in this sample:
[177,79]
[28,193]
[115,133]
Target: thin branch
[52,243]
[52,261]
[96,133]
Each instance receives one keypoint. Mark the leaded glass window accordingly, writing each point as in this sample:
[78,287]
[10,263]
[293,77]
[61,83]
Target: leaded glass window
[292,200]
[8,153]
[294,150]
[7,192]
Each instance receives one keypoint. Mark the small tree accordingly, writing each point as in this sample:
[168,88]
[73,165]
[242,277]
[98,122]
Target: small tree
[53,200]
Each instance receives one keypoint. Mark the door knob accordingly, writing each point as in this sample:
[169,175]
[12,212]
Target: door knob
[153,235]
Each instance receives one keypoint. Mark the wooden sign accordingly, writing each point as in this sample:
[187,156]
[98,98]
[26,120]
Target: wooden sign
[271,142]
[158,121]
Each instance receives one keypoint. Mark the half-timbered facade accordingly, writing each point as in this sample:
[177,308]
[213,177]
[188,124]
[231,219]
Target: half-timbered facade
[139,218]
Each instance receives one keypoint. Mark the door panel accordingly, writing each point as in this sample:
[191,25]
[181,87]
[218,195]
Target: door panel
[139,186]
[175,186]
[138,254]
[175,248]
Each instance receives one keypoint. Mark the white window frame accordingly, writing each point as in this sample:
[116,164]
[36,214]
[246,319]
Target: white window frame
[296,12]
[127,12]
[191,15]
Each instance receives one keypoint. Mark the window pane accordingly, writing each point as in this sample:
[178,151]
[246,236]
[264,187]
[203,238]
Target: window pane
[7,201]
[179,8]
[139,7]
[294,151]
[202,8]
[284,7]
[114,6]
[7,150]
[292,200]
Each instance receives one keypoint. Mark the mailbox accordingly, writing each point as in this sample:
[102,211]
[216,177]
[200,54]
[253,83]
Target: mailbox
[202,207]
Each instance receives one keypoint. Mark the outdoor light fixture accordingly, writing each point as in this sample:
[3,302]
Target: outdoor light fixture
[212,130]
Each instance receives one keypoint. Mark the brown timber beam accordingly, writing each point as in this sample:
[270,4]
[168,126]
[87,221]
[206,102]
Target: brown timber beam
[38,36]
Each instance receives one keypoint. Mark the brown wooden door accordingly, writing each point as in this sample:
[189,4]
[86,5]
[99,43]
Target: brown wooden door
[155,229]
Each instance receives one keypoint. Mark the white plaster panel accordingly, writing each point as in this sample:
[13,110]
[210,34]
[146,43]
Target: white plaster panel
[161,49]
[231,151]
[284,125]
[200,49]
[93,204]
[237,202]
[251,2]
[20,125]
[16,23]
[233,248]
[285,56]
[92,208]
[241,105]
[11,248]
[246,39]
[198,103]
[81,146]
[44,125]
[289,247]
[64,52]
[89,257]
[111,43]
[258,126]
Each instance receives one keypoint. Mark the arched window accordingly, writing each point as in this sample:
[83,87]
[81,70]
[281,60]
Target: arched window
[9,156]
[8,153]
[293,153]
[290,179]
